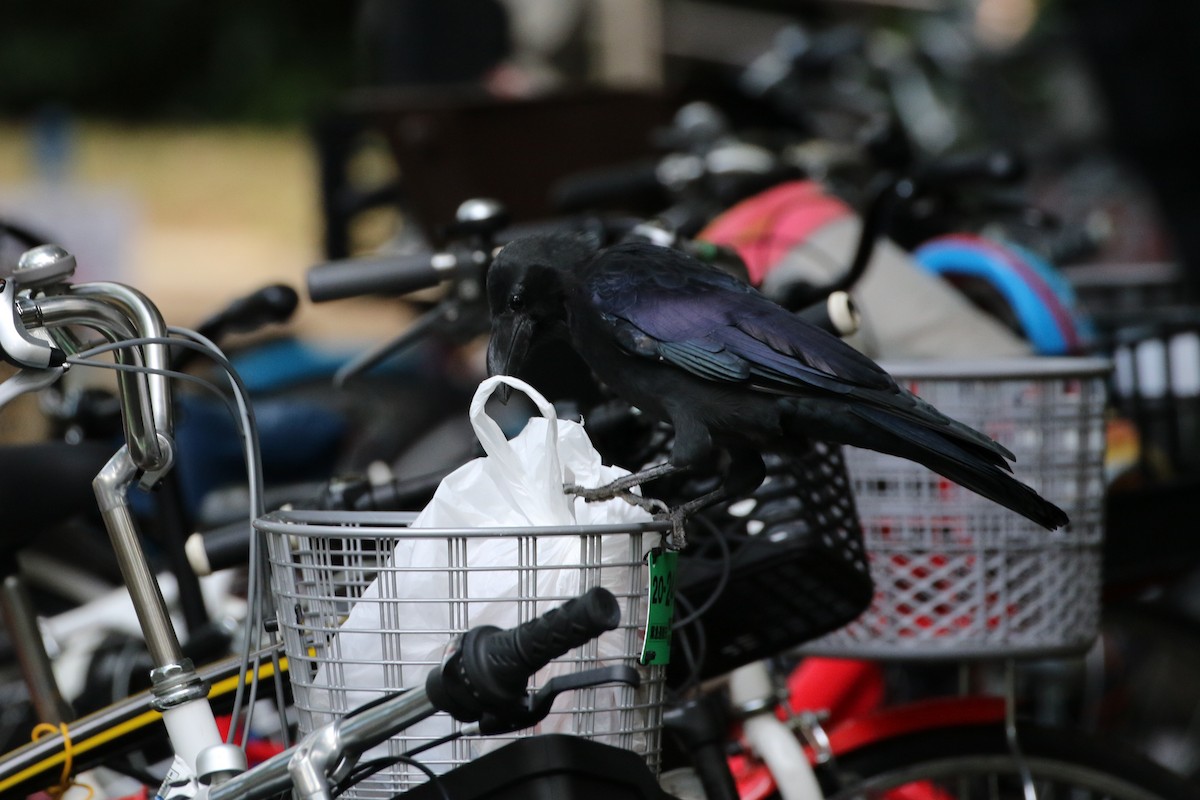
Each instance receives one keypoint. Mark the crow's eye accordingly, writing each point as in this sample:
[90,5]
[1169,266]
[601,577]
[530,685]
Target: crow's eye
[516,301]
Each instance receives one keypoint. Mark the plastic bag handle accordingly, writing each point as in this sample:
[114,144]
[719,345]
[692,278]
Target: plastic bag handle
[495,443]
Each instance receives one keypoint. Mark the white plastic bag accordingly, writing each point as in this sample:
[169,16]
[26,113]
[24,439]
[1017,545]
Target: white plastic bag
[519,483]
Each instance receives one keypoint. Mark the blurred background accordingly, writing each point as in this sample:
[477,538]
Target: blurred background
[177,144]
[201,150]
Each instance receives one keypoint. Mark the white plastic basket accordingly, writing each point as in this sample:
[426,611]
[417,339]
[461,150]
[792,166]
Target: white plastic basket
[959,576]
[322,564]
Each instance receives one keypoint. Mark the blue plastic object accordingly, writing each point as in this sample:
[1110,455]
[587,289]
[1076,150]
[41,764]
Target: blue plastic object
[1040,299]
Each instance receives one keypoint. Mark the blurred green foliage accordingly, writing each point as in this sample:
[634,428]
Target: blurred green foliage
[263,61]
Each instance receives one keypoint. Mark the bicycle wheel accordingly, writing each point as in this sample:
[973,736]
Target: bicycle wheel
[975,763]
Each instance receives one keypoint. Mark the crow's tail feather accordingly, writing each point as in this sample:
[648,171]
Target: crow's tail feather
[977,468]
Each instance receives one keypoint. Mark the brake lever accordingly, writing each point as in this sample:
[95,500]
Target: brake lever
[536,706]
[28,380]
[18,346]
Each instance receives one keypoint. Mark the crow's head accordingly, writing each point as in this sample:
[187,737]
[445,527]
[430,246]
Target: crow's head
[526,291]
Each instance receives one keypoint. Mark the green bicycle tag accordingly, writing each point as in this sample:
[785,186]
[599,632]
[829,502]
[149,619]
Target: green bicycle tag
[656,649]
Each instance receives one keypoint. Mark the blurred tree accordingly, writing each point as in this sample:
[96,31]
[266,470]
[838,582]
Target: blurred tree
[419,43]
[266,61]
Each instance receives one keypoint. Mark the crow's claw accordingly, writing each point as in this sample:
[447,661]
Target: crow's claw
[648,504]
[623,484]
[592,494]
[678,518]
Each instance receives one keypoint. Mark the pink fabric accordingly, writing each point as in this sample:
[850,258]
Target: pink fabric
[764,228]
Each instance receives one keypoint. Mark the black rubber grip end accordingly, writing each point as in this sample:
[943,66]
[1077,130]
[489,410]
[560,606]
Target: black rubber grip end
[493,666]
[355,277]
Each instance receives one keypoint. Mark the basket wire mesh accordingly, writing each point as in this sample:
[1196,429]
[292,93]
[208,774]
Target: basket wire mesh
[344,583]
[793,552]
[959,576]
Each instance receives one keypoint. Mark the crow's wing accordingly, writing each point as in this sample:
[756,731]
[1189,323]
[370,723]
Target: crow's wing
[663,305]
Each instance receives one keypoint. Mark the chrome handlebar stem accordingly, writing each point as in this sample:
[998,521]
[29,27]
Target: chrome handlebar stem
[120,313]
[329,752]
[146,412]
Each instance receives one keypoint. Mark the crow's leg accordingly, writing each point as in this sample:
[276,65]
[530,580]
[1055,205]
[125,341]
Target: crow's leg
[678,516]
[744,472]
[648,504]
[621,486]
[691,447]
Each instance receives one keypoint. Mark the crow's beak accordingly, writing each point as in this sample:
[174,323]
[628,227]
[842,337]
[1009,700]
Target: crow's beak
[511,335]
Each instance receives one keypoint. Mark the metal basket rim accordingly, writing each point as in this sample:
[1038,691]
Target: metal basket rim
[396,524]
[1010,545]
[1039,367]
[894,650]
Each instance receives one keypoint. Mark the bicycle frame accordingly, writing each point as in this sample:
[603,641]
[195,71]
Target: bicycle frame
[119,728]
[120,313]
[851,691]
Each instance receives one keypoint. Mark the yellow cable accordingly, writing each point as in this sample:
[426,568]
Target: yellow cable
[43,729]
[120,729]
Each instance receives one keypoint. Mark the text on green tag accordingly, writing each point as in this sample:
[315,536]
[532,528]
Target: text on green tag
[660,608]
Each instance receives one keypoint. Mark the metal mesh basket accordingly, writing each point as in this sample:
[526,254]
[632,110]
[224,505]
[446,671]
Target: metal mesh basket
[418,588]
[792,551]
[957,575]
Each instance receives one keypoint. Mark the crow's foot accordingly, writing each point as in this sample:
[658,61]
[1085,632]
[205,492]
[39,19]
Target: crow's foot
[624,483]
[647,504]
[595,494]
[678,518]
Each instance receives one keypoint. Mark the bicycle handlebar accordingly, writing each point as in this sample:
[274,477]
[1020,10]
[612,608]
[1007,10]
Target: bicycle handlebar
[484,672]
[117,312]
[492,666]
[990,166]
[622,183]
[273,303]
[400,274]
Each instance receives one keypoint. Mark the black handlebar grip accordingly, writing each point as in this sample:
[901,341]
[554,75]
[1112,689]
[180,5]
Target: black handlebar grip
[527,648]
[587,190]
[219,548]
[490,671]
[270,304]
[275,302]
[354,277]
[995,166]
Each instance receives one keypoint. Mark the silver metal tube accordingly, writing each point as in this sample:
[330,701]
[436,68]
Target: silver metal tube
[138,415]
[149,323]
[20,620]
[349,735]
[111,487]
[308,767]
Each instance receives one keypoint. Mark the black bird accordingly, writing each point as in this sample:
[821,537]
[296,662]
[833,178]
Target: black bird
[729,369]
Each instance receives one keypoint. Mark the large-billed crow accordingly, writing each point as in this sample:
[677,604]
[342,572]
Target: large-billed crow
[730,370]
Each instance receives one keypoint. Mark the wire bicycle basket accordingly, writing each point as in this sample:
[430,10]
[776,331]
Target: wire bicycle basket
[778,568]
[350,583]
[958,576]
[763,573]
